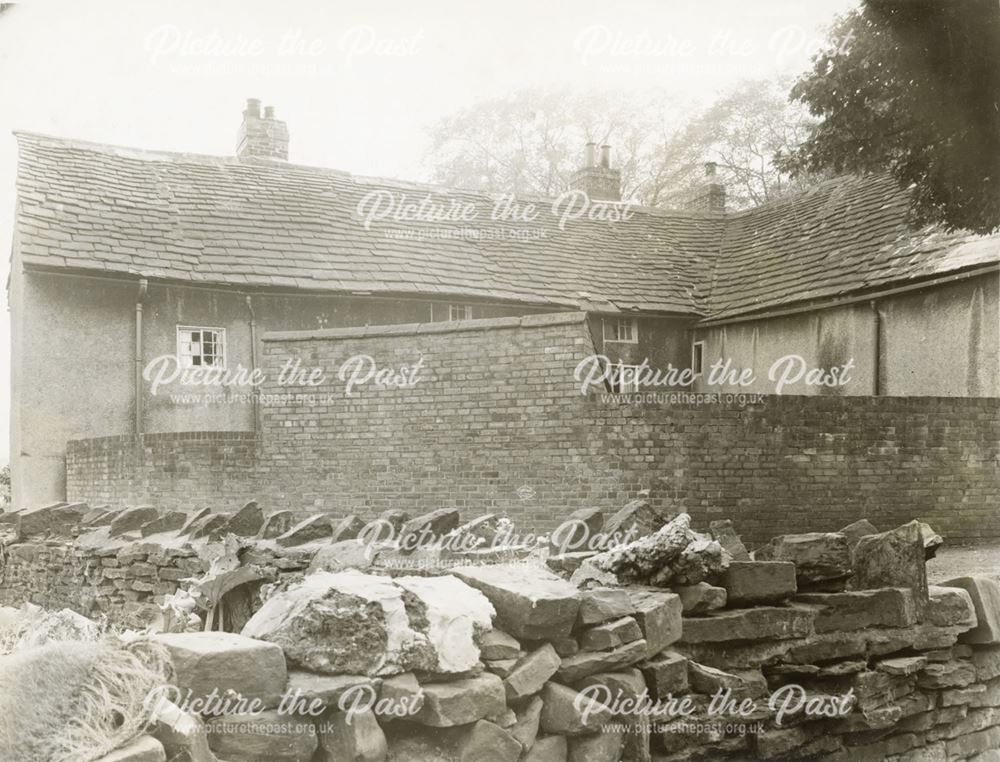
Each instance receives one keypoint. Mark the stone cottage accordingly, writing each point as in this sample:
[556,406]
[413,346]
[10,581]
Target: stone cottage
[125,258]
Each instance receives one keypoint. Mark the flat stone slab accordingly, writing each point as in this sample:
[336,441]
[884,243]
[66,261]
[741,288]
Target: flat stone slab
[726,536]
[818,556]
[460,702]
[752,582]
[762,623]
[985,595]
[563,713]
[266,735]
[603,637]
[700,598]
[888,607]
[602,604]
[586,663]
[531,603]
[221,661]
[950,607]
[307,687]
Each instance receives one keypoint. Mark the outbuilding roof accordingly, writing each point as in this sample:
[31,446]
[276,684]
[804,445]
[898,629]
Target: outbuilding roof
[256,223]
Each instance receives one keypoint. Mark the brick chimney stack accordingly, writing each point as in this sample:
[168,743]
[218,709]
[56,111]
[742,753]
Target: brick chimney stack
[261,137]
[711,196]
[596,177]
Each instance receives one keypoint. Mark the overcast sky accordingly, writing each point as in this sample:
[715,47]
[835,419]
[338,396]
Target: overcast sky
[357,85]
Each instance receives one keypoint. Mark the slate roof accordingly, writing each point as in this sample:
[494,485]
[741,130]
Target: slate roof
[260,223]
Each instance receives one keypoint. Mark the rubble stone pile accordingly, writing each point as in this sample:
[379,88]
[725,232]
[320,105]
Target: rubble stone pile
[652,643]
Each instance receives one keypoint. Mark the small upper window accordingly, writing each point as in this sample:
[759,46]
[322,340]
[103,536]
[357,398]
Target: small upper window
[698,357]
[201,347]
[621,329]
[460,312]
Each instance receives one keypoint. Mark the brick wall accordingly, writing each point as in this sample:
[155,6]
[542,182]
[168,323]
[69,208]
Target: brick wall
[497,423]
[188,470]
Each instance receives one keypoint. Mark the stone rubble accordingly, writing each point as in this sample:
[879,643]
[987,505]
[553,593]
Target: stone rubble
[495,661]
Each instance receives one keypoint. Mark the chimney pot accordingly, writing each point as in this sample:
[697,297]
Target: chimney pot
[265,138]
[710,168]
[598,181]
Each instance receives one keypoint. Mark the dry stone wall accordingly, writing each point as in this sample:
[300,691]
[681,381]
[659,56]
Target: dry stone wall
[671,645]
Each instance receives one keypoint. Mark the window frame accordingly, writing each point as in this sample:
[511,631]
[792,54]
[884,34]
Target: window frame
[466,309]
[698,352]
[220,342]
[618,370]
[633,324]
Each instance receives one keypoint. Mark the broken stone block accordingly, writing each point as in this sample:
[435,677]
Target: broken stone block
[610,635]
[672,555]
[708,680]
[700,598]
[563,714]
[211,527]
[659,617]
[305,689]
[182,735]
[428,529]
[276,524]
[820,558]
[531,673]
[752,582]
[460,702]
[930,539]
[130,520]
[892,559]
[497,644]
[525,728]
[950,607]
[566,646]
[665,674]
[602,604]
[548,749]
[580,531]
[987,663]
[599,747]
[762,623]
[531,603]
[501,667]
[347,528]
[360,740]
[403,691]
[723,532]
[486,741]
[424,623]
[902,665]
[221,661]
[143,749]
[947,674]
[168,522]
[57,519]
[311,529]
[985,595]
[348,554]
[574,668]
[194,520]
[636,519]
[266,735]
[567,564]
[627,683]
[856,530]
[856,610]
[247,521]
